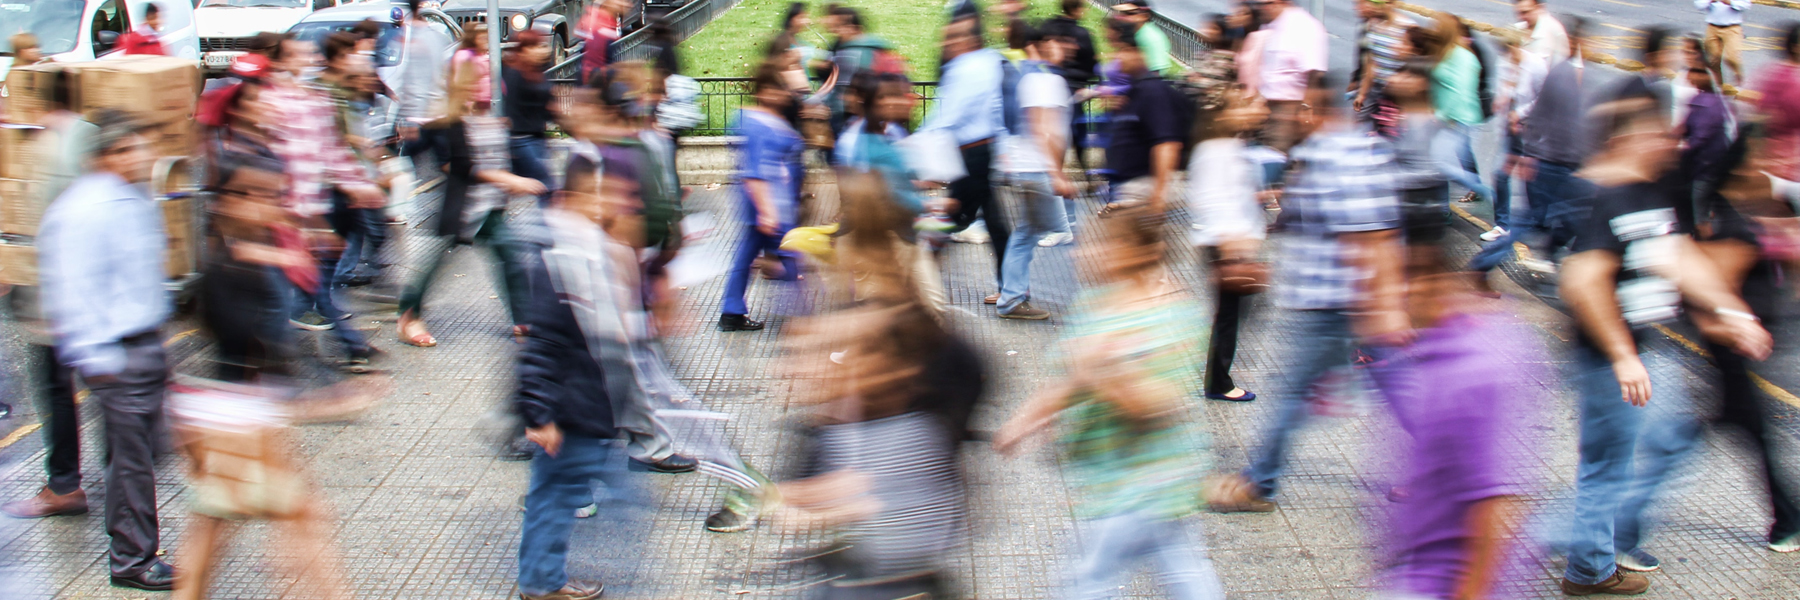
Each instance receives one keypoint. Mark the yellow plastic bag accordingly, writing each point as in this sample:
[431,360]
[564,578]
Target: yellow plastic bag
[814,241]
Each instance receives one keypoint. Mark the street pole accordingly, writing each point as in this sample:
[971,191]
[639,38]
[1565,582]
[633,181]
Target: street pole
[494,24]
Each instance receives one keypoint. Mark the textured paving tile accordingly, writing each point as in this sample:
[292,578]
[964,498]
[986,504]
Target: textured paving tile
[423,509]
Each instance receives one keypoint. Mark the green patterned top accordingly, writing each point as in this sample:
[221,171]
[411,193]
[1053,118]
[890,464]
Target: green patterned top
[1122,466]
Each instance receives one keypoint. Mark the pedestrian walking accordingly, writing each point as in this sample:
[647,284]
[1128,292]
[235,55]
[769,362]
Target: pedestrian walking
[64,147]
[1131,346]
[856,50]
[528,95]
[1384,47]
[969,108]
[1033,164]
[420,93]
[1080,68]
[474,211]
[1615,302]
[601,25]
[1555,143]
[1521,79]
[868,145]
[1777,99]
[1148,36]
[1222,196]
[768,169]
[1455,82]
[1549,39]
[1340,274]
[1724,35]
[106,305]
[1292,54]
[1149,130]
[146,38]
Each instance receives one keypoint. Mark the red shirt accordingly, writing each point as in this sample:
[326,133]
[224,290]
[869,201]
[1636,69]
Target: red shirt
[142,40]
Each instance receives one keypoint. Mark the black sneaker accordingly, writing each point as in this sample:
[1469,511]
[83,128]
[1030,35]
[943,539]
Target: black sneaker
[674,463]
[313,322]
[728,520]
[738,323]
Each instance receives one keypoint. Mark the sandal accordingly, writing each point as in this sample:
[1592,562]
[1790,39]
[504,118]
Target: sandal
[413,332]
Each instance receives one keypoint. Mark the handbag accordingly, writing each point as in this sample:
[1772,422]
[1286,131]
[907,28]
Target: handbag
[1244,277]
[237,439]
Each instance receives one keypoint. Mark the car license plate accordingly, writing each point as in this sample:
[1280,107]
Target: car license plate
[220,60]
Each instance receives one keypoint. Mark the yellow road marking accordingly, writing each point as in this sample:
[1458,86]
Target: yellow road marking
[1624,3]
[1765,27]
[1622,26]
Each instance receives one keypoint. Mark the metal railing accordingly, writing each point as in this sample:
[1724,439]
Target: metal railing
[1184,42]
[686,21]
[722,97]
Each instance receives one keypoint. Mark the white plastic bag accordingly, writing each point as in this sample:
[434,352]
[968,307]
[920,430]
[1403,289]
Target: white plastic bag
[934,156]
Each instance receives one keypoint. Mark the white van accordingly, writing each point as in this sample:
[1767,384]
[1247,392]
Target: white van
[78,30]
[226,26]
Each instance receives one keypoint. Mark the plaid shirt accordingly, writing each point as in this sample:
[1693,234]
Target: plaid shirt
[305,135]
[1342,181]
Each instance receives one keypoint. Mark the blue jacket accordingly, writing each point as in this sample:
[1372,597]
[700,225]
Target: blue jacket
[559,380]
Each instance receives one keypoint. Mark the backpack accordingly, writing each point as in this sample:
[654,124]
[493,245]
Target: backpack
[887,62]
[1483,92]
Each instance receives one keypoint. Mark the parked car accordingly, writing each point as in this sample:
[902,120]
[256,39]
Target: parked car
[559,16]
[390,48]
[78,30]
[226,26]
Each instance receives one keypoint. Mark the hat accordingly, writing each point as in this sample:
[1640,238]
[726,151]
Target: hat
[250,66]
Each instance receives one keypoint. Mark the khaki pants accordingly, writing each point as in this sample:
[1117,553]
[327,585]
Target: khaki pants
[1725,43]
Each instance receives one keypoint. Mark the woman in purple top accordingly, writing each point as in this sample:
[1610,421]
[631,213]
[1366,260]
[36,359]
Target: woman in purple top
[1457,389]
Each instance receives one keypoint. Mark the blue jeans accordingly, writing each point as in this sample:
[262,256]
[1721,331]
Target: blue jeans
[362,241]
[1037,209]
[559,486]
[1114,543]
[1455,157]
[1609,497]
[1327,346]
[1558,201]
[752,244]
[528,154]
[299,301]
[1503,181]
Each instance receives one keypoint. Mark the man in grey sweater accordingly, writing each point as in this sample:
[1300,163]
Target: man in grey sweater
[1555,141]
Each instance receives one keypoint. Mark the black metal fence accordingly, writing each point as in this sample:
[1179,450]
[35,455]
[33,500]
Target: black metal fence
[722,97]
[1184,41]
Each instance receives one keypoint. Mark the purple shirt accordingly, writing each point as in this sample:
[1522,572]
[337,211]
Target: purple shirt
[1460,390]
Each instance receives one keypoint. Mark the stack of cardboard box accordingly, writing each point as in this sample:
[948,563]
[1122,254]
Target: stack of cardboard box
[162,92]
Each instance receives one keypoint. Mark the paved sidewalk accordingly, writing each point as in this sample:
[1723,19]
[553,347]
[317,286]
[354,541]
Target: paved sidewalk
[426,511]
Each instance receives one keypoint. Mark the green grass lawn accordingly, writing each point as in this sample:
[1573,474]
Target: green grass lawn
[731,45]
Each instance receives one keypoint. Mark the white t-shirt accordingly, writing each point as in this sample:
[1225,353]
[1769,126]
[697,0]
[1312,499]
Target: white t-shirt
[1222,185]
[1024,153]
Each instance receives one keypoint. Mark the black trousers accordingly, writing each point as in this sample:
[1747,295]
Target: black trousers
[975,193]
[1743,406]
[133,405]
[1222,350]
[62,423]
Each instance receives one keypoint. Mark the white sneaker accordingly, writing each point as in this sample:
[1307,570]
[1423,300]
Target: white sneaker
[976,233]
[1493,234]
[1056,239]
[1538,264]
[1789,544]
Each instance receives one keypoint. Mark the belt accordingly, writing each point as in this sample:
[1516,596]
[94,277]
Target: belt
[976,144]
[139,338]
[1725,26]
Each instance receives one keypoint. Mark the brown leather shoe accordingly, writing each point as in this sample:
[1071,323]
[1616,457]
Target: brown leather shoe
[1622,583]
[48,504]
[571,591]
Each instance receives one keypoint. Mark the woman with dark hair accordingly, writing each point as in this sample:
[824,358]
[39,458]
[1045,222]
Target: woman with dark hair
[528,97]
[1222,186]
[663,46]
[867,145]
[476,187]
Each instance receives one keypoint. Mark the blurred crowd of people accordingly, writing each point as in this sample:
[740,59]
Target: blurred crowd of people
[1660,197]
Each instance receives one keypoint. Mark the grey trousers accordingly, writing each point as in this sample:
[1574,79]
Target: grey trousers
[133,409]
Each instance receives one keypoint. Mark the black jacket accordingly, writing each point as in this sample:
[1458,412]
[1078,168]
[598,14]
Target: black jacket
[527,101]
[559,380]
[1078,68]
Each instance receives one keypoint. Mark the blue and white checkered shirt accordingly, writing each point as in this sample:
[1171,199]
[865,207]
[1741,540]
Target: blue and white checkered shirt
[1341,181]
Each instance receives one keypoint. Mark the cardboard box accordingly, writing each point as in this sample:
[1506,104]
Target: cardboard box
[158,89]
[183,254]
[27,93]
[18,264]
[21,206]
[174,139]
